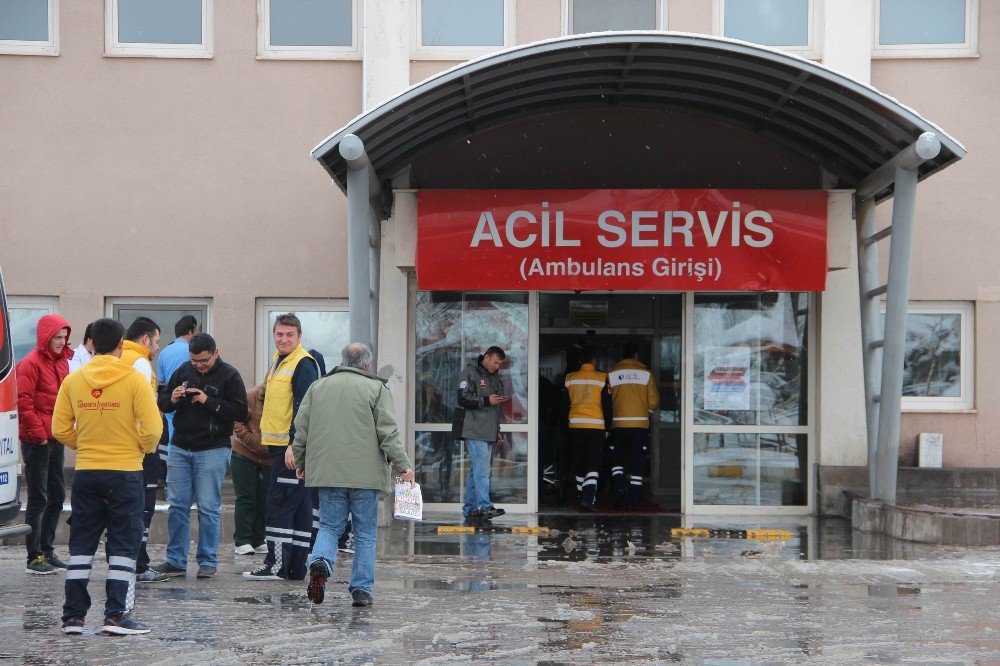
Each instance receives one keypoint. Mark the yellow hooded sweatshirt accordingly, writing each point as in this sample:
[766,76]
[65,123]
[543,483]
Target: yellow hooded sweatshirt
[107,414]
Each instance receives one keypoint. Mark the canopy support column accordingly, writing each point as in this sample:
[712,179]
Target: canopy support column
[884,408]
[363,243]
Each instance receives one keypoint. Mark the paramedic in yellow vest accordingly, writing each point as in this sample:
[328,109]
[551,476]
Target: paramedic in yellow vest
[589,410]
[634,400]
[290,509]
[142,341]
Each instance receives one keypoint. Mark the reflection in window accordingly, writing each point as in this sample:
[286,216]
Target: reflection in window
[597,15]
[160,21]
[757,469]
[768,22]
[165,318]
[452,330]
[311,22]
[462,22]
[24,20]
[750,364]
[442,466]
[24,329]
[932,366]
[921,22]
[325,331]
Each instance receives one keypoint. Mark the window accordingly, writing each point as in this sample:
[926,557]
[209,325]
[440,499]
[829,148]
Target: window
[308,29]
[25,311]
[938,370]
[29,27]
[461,29]
[452,329]
[583,16]
[792,25]
[325,328]
[158,28]
[751,387]
[926,28]
[164,311]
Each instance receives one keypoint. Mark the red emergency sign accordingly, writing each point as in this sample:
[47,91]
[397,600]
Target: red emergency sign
[622,240]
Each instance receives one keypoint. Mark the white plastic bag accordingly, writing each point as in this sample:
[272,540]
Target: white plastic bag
[409,502]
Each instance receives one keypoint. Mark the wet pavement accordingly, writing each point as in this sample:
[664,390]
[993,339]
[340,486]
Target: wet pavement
[594,589]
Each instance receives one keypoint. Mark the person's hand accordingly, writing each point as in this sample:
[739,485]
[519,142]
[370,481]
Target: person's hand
[300,473]
[290,458]
[177,394]
[498,399]
[198,396]
[239,428]
[408,476]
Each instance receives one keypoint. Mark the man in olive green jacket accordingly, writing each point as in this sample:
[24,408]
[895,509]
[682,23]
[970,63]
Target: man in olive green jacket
[345,432]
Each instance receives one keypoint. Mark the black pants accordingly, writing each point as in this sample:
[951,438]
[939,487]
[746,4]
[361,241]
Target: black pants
[291,519]
[250,483]
[104,500]
[151,474]
[587,446]
[628,459]
[43,475]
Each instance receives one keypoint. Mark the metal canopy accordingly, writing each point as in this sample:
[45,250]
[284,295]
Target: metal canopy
[848,128]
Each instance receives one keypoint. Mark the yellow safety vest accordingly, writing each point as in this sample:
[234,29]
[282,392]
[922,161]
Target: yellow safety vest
[132,352]
[585,387]
[276,418]
[633,394]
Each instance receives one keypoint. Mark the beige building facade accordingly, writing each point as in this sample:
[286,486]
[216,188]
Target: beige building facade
[160,163]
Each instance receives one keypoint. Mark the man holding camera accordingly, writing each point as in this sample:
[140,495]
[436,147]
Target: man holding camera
[206,396]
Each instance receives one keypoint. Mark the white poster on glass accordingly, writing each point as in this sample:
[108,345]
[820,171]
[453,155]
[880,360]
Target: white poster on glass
[727,385]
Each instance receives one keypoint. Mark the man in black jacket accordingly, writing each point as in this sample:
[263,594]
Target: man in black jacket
[206,396]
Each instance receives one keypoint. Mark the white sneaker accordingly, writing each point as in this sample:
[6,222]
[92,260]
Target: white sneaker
[245,549]
[261,549]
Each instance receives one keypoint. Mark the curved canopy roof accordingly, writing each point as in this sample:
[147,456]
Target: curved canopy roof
[846,127]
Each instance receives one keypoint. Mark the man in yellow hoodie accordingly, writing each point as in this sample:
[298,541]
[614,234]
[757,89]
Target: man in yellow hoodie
[106,412]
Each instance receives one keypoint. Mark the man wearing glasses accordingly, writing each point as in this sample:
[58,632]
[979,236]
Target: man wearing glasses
[206,396]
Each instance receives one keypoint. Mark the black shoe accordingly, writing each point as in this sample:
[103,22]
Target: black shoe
[319,571]
[55,562]
[169,569]
[122,625]
[39,567]
[73,625]
[262,572]
[361,598]
[206,571]
[493,512]
[476,518]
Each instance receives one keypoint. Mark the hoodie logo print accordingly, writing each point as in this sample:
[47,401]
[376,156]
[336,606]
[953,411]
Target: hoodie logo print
[97,393]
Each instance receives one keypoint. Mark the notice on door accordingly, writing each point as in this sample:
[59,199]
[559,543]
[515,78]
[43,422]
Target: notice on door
[622,240]
[727,385]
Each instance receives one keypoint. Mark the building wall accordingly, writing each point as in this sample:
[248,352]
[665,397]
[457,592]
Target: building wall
[147,177]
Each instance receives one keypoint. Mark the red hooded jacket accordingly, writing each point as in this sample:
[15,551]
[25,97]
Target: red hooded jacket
[39,375]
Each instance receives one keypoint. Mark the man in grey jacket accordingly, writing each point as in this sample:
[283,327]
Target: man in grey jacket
[481,394]
[345,432]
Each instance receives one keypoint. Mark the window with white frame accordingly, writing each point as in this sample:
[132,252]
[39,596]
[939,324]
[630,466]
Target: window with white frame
[926,28]
[308,29]
[164,311]
[791,25]
[461,29]
[582,16]
[29,27]
[158,28]
[938,366]
[25,311]
[325,328]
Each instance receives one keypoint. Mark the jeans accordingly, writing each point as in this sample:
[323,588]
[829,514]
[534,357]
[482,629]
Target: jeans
[477,486]
[195,476]
[43,475]
[250,484]
[104,500]
[334,506]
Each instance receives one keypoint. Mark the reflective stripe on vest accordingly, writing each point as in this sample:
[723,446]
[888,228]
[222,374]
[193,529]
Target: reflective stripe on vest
[276,417]
[585,387]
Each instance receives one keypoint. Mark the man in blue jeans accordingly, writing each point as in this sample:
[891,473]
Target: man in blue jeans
[481,395]
[345,432]
[206,396]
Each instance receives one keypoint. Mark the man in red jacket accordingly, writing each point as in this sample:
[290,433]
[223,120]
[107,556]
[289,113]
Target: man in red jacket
[39,375]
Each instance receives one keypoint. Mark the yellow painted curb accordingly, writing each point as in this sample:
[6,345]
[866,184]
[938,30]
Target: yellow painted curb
[529,530]
[456,529]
